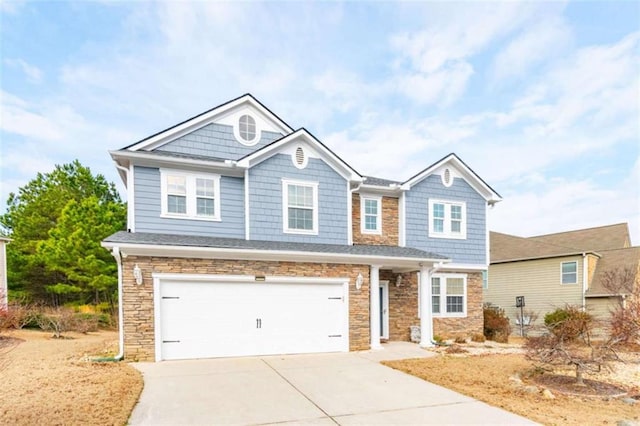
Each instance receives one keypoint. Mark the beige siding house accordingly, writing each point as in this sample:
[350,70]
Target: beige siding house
[553,270]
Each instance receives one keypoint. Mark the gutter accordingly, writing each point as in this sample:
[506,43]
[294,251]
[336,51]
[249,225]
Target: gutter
[120,355]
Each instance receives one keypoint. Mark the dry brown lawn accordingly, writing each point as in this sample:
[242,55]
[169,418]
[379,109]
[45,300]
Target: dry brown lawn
[48,381]
[488,378]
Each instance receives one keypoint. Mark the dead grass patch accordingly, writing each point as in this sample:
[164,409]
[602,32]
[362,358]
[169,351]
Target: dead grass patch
[490,378]
[49,381]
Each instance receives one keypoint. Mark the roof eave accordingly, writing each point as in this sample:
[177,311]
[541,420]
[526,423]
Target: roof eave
[137,249]
[143,158]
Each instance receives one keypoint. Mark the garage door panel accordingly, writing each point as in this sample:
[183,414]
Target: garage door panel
[201,319]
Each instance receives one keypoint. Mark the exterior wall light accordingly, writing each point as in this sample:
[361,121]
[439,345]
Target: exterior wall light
[137,274]
[398,280]
[359,281]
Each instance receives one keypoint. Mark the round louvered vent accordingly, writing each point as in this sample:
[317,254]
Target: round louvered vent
[300,158]
[447,179]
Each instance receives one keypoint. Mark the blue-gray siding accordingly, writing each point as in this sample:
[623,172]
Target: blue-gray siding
[473,248]
[265,194]
[216,140]
[147,208]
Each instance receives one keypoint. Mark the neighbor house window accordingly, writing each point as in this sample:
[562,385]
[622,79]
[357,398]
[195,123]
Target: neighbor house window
[569,271]
[187,195]
[448,295]
[370,215]
[447,219]
[485,280]
[300,207]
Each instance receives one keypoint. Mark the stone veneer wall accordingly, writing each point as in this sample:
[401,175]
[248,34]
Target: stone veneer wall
[389,219]
[403,308]
[139,306]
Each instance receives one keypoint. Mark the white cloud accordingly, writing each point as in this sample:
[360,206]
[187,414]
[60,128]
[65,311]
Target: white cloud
[33,73]
[540,42]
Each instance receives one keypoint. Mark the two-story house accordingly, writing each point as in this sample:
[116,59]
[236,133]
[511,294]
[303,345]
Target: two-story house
[595,269]
[248,237]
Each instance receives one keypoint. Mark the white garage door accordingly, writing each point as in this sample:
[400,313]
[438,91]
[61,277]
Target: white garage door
[219,319]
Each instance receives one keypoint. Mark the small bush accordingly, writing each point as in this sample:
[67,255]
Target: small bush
[56,320]
[460,340]
[17,316]
[496,324]
[479,338]
[568,323]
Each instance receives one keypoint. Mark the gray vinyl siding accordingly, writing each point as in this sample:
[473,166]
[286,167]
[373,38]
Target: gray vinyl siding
[147,187]
[265,205]
[471,250]
[218,141]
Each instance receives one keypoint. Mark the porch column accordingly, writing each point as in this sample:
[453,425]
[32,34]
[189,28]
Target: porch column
[374,306]
[426,316]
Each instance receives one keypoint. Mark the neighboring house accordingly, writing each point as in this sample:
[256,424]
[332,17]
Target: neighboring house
[4,290]
[247,237]
[553,270]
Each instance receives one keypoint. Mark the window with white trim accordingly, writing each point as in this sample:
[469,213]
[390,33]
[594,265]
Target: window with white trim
[247,128]
[449,295]
[569,272]
[447,219]
[187,195]
[300,207]
[370,215]
[485,279]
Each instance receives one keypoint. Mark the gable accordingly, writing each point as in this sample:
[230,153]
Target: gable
[608,237]
[451,168]
[300,146]
[262,120]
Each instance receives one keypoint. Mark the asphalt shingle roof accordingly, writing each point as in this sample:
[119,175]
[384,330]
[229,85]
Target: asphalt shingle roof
[233,243]
[616,262]
[379,181]
[608,237]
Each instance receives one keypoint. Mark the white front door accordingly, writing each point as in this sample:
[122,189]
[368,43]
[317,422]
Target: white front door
[384,309]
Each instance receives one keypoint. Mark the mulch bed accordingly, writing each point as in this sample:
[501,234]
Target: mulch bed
[567,385]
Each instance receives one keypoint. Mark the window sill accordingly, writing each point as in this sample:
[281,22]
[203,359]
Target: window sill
[370,232]
[448,236]
[300,232]
[185,217]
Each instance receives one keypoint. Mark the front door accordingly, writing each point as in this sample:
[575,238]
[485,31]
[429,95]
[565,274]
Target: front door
[384,309]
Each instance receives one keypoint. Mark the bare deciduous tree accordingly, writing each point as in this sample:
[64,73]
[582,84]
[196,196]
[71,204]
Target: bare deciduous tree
[568,342]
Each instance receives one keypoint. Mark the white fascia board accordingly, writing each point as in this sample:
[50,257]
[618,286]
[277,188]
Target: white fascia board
[391,190]
[268,255]
[472,179]
[204,119]
[463,267]
[342,168]
[227,168]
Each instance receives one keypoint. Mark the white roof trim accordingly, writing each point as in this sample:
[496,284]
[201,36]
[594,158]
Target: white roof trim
[267,255]
[333,160]
[204,119]
[463,267]
[149,159]
[469,175]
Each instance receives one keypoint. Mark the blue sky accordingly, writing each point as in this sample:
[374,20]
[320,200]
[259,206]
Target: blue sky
[542,99]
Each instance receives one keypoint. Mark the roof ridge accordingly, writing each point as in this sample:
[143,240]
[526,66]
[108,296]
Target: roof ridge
[580,230]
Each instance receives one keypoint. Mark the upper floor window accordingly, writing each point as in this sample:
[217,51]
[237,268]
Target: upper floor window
[190,195]
[300,207]
[247,128]
[370,215]
[449,295]
[569,272]
[448,219]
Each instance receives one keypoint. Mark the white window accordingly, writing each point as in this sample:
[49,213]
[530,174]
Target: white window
[247,128]
[485,279]
[569,272]
[449,295]
[448,219]
[300,207]
[187,195]
[371,215]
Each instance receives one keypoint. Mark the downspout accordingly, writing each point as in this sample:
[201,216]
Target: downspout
[426,308]
[120,355]
[585,283]
[129,201]
[350,217]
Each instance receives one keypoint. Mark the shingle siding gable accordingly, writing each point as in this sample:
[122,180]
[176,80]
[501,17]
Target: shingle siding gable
[217,141]
[265,195]
[470,250]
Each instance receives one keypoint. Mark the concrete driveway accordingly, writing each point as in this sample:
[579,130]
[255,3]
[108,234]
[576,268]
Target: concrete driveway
[345,388]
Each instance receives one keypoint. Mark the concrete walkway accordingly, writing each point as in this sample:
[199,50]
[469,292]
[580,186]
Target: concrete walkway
[319,389]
